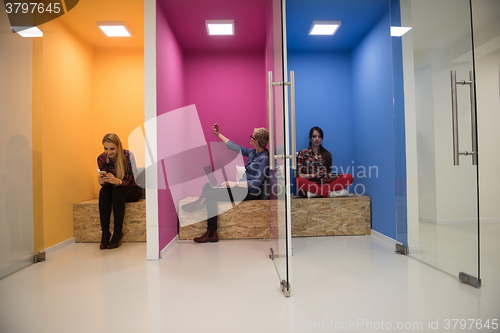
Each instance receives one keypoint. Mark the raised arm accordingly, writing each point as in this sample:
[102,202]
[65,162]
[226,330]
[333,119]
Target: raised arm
[217,133]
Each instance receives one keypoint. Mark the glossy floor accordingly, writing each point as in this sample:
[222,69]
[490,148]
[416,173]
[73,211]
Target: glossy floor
[346,284]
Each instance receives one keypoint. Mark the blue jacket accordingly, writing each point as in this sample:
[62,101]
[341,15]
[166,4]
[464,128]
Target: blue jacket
[256,169]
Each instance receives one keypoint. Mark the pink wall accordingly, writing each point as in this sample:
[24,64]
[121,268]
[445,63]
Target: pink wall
[230,89]
[170,96]
[194,90]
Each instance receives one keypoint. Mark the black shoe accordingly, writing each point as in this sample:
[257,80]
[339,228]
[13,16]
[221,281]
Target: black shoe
[206,237]
[194,206]
[104,240]
[117,244]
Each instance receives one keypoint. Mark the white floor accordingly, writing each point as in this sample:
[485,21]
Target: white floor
[345,284]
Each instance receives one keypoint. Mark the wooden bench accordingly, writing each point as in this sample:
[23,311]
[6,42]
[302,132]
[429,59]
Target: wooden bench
[87,225]
[310,217]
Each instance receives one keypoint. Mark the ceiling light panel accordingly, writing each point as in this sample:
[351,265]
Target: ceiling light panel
[28,31]
[399,31]
[220,27]
[324,27]
[114,29]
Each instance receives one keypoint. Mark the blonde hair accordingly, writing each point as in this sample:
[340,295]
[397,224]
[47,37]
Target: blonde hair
[262,136]
[120,159]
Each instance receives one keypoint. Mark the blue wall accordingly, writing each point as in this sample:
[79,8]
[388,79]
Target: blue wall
[323,98]
[374,134]
[350,96]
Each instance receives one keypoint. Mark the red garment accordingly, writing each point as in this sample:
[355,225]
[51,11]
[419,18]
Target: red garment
[305,185]
[309,163]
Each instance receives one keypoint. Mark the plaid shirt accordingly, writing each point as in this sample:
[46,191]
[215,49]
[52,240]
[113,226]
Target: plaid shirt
[308,163]
[107,164]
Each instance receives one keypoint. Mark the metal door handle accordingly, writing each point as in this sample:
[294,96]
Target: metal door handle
[454,118]
[271,118]
[292,120]
[270,108]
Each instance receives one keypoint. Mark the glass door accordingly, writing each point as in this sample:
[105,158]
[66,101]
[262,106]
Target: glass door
[439,79]
[280,251]
[21,234]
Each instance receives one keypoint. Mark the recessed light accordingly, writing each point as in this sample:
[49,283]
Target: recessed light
[220,27]
[399,31]
[114,29]
[28,31]
[324,27]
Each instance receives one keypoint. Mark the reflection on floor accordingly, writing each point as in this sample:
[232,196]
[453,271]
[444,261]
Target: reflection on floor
[452,247]
[348,284]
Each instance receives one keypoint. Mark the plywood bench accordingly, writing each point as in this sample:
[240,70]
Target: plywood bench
[87,225]
[310,217]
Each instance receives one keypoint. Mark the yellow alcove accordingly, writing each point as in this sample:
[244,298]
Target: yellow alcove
[85,85]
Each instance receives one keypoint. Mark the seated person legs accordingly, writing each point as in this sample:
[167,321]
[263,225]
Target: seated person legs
[324,190]
[114,198]
[342,182]
[214,195]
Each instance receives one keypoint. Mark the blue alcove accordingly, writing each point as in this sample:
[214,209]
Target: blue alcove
[348,85]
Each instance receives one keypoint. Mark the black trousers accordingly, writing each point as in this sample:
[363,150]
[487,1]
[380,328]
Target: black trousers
[213,195]
[113,198]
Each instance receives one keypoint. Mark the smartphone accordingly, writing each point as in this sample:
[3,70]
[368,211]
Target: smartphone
[101,173]
[216,126]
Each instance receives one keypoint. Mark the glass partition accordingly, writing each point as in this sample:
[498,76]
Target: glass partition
[20,238]
[440,99]
[278,145]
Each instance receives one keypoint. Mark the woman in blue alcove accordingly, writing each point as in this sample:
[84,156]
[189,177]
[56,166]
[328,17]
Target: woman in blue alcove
[314,165]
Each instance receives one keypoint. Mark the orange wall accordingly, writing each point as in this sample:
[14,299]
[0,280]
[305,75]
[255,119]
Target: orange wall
[85,93]
[118,96]
[67,128]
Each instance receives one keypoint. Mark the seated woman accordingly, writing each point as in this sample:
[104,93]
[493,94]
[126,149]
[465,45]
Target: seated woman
[251,186]
[118,187]
[314,166]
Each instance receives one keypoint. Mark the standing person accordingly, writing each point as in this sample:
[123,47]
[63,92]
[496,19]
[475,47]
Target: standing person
[314,166]
[253,185]
[118,187]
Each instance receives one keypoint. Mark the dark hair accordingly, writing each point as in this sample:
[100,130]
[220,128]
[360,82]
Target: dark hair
[327,156]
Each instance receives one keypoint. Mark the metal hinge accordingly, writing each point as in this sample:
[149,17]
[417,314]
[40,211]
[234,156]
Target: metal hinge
[400,249]
[469,279]
[285,288]
[39,257]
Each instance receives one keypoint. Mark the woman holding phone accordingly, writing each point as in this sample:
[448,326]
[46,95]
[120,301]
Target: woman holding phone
[253,185]
[118,186]
[314,166]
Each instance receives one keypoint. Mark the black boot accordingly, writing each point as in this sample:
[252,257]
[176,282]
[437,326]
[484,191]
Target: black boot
[106,235]
[114,245]
[209,236]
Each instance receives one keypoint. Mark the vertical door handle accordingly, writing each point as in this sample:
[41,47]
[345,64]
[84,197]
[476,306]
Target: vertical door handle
[473,116]
[270,108]
[292,120]
[271,118]
[454,118]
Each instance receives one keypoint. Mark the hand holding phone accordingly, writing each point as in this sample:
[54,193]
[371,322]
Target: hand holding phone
[216,128]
